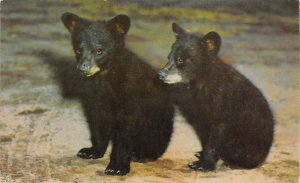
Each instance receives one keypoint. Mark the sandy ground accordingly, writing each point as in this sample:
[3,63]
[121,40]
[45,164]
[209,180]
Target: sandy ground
[41,132]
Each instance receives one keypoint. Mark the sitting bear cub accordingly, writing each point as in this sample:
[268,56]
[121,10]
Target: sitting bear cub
[230,115]
[126,104]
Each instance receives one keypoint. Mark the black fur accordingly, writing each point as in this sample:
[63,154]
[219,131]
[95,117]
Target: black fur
[230,115]
[123,100]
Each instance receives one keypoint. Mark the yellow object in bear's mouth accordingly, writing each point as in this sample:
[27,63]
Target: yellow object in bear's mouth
[93,71]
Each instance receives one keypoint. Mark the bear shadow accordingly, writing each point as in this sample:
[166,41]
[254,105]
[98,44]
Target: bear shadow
[64,72]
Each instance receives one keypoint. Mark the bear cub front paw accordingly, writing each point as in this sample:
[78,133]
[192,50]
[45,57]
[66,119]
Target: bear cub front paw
[202,166]
[89,153]
[112,169]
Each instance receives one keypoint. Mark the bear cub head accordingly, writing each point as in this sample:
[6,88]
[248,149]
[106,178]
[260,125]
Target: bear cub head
[96,42]
[191,56]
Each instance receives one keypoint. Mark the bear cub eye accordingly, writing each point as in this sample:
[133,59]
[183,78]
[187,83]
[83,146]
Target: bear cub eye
[99,51]
[180,61]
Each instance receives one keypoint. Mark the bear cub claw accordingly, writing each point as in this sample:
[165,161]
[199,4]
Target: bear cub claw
[199,154]
[89,153]
[113,170]
[200,166]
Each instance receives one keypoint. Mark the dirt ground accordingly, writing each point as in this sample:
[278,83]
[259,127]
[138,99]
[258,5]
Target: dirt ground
[41,131]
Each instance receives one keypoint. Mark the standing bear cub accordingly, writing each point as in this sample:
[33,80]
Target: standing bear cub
[229,114]
[125,104]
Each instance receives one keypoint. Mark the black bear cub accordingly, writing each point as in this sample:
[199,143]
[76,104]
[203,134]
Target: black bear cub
[229,114]
[126,104]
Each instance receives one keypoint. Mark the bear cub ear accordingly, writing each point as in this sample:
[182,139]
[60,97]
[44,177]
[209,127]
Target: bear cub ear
[213,43]
[71,21]
[119,25]
[179,32]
